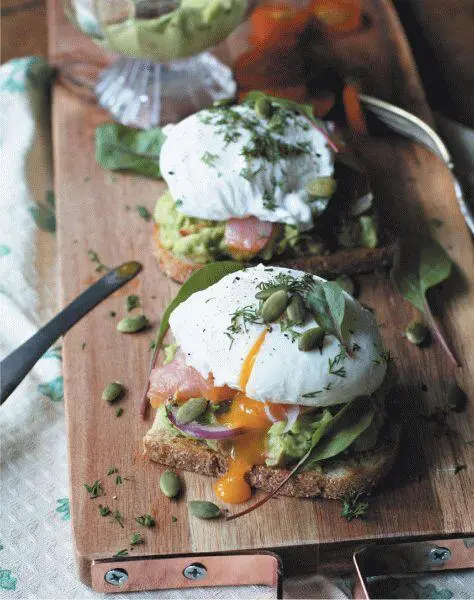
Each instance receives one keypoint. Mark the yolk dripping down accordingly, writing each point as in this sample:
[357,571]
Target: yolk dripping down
[247,449]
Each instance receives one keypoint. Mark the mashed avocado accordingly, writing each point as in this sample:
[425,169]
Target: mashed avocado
[189,29]
[203,241]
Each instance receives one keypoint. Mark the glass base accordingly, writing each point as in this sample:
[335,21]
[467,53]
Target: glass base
[144,94]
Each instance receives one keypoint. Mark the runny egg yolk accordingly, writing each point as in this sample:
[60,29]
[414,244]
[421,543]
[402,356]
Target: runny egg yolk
[247,449]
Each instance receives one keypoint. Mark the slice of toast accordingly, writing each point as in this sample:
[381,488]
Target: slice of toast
[339,478]
[349,262]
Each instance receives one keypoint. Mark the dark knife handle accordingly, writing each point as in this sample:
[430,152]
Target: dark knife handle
[19,363]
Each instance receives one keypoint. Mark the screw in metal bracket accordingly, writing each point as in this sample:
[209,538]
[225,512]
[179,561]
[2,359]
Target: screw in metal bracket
[439,555]
[116,577]
[195,571]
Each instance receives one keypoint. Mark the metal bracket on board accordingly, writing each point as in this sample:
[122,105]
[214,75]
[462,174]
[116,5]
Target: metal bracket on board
[176,571]
[377,561]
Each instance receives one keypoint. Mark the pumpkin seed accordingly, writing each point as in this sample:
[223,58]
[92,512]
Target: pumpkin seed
[457,398]
[132,324]
[296,310]
[170,484]
[346,283]
[203,509]
[311,339]
[264,294]
[274,306]
[416,332]
[191,410]
[321,187]
[112,392]
[263,108]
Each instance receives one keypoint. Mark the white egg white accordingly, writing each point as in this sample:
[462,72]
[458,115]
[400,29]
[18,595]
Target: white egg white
[204,171]
[281,373]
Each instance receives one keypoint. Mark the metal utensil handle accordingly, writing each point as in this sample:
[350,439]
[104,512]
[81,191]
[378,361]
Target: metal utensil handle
[19,363]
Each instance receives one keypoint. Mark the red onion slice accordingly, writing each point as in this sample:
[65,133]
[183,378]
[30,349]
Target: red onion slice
[269,413]
[204,432]
[291,416]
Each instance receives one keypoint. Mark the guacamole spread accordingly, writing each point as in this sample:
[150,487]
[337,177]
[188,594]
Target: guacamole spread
[203,240]
[189,29]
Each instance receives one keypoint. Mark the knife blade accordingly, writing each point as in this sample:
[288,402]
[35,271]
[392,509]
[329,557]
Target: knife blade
[15,366]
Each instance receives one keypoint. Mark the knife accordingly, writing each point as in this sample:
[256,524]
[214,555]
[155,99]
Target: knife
[19,363]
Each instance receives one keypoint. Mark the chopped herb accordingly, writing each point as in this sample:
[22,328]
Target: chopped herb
[248,174]
[112,470]
[209,159]
[269,200]
[459,468]
[354,508]
[311,394]
[337,360]
[94,257]
[286,326]
[328,386]
[119,411]
[144,213]
[173,519]
[123,552]
[95,490]
[241,318]
[132,301]
[118,480]
[178,203]
[118,517]
[145,520]
[83,345]
[112,313]
[137,538]
[104,511]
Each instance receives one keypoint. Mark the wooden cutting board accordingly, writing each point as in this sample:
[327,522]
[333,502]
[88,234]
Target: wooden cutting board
[425,495]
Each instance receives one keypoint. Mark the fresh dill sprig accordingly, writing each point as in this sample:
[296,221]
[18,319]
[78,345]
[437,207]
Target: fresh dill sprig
[137,538]
[354,508]
[112,470]
[334,369]
[95,490]
[104,511]
[145,520]
[240,320]
[118,517]
[123,552]
[286,327]
[311,394]
[209,159]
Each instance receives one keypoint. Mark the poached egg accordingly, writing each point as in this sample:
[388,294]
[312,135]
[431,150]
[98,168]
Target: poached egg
[230,162]
[264,362]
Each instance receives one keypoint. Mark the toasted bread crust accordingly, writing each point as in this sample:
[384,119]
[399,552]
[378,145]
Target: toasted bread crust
[339,478]
[350,262]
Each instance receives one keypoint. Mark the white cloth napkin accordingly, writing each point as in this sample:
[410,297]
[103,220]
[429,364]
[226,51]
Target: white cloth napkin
[36,554]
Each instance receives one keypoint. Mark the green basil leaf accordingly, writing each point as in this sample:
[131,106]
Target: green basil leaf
[118,147]
[435,265]
[199,280]
[345,427]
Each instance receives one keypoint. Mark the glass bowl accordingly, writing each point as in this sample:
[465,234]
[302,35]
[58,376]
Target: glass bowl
[164,72]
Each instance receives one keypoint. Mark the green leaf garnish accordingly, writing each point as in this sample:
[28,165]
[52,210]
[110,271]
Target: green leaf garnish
[118,147]
[354,508]
[332,436]
[327,303]
[415,271]
[199,280]
[132,301]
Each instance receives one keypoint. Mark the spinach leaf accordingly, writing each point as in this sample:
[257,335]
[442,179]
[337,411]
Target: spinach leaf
[327,302]
[118,147]
[199,280]
[415,271]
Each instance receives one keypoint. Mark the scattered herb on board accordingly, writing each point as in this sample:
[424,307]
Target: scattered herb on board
[459,468]
[332,436]
[415,271]
[118,147]
[95,490]
[104,511]
[119,411]
[145,520]
[132,301]
[123,552]
[144,213]
[354,507]
[118,480]
[137,538]
[118,517]
[94,258]
[112,313]
[173,519]
[112,470]
[83,346]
